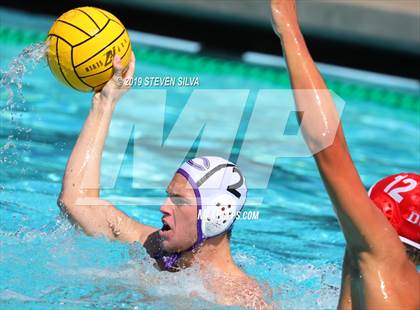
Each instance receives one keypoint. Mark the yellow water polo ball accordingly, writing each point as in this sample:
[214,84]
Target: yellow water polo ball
[82,45]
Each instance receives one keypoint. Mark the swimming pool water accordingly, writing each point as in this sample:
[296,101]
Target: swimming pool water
[295,246]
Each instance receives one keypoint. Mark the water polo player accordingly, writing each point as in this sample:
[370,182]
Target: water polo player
[377,273]
[204,198]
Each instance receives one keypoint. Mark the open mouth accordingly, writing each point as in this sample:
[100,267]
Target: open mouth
[165,227]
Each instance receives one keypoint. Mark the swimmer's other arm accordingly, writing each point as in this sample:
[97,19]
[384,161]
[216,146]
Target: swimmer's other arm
[79,197]
[364,227]
[373,247]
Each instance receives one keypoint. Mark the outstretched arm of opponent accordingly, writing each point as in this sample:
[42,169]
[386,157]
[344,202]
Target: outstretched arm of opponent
[364,227]
[79,197]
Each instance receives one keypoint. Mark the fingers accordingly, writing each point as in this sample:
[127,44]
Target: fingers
[118,69]
[122,76]
[117,66]
[131,67]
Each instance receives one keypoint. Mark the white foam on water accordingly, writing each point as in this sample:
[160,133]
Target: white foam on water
[7,294]
[81,272]
[309,286]
[185,287]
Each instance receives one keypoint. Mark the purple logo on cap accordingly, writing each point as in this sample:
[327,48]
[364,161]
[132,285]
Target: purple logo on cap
[203,167]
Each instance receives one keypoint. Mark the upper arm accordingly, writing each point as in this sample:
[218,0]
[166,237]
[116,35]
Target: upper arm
[364,226]
[100,217]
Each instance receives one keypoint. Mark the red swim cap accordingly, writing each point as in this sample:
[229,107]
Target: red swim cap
[398,197]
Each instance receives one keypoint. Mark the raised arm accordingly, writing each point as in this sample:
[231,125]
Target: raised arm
[79,197]
[364,227]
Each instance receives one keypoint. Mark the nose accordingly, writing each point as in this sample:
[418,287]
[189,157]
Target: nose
[167,207]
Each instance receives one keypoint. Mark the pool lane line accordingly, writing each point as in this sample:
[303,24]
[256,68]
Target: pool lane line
[164,42]
[275,77]
[357,75]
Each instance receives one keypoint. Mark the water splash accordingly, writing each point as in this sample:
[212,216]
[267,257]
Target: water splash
[24,63]
[14,136]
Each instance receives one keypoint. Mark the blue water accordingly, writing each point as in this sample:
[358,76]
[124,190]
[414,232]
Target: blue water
[295,247]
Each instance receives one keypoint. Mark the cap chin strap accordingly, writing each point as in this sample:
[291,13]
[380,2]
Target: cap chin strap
[198,202]
[410,242]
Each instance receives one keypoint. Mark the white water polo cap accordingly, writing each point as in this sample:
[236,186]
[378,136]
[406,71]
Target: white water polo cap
[220,193]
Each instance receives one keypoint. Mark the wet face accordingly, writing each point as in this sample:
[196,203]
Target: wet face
[179,230]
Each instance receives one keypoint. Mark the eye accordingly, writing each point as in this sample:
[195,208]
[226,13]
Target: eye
[178,201]
[174,200]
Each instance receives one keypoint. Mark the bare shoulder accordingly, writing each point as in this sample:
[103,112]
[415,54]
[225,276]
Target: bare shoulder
[405,284]
[410,293]
[253,295]
[390,284]
[241,290]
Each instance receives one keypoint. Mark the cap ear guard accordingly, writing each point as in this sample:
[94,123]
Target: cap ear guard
[219,215]
[398,197]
